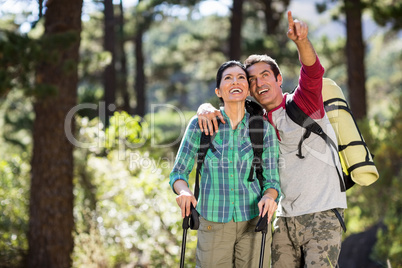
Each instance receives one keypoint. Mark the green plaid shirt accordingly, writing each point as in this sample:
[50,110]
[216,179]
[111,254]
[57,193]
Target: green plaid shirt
[225,192]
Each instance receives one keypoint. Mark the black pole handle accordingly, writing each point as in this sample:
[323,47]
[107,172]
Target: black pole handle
[262,224]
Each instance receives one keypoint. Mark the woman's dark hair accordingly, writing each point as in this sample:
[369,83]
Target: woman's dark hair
[223,67]
[226,65]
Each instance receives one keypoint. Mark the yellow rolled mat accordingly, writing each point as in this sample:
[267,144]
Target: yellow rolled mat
[347,131]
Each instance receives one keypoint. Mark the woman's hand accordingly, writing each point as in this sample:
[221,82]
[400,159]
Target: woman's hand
[185,197]
[268,205]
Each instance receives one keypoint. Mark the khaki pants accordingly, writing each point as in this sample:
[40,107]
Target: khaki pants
[312,240]
[232,244]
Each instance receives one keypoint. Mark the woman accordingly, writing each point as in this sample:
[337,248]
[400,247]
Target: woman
[229,204]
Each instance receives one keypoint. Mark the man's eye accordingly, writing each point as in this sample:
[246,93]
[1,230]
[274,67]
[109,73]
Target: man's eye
[251,80]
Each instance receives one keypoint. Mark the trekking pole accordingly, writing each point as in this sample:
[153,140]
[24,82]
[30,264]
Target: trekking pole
[185,226]
[191,221]
[262,226]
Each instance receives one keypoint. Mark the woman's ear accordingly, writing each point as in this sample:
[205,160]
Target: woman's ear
[218,92]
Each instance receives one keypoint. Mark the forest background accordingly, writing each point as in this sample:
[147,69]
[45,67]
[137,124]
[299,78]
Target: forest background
[95,97]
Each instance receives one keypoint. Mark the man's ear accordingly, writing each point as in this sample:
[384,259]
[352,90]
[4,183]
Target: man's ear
[218,92]
[279,78]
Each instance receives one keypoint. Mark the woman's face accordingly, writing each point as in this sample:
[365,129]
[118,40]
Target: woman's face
[234,85]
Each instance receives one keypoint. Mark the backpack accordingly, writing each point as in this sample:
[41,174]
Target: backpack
[356,160]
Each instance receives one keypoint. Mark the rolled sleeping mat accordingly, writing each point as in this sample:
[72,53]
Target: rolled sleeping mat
[355,157]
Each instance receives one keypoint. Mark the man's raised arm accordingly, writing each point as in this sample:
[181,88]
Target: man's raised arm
[298,33]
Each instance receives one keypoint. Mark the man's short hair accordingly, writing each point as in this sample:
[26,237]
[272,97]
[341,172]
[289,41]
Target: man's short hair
[253,59]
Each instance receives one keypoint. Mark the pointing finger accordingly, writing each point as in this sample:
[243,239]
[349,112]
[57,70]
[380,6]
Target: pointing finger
[290,19]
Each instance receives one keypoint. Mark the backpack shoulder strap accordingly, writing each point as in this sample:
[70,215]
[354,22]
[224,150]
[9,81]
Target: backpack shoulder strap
[256,132]
[302,119]
[205,145]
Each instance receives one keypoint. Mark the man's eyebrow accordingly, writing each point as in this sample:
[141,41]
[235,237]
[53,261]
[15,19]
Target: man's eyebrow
[264,71]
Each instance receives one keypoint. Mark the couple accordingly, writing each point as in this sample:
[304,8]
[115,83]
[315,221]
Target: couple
[307,231]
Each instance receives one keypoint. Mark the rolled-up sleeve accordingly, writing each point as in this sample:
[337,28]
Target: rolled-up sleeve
[270,158]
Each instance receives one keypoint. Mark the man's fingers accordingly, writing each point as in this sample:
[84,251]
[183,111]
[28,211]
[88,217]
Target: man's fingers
[221,118]
[204,121]
[210,127]
[297,28]
[290,19]
[215,124]
[200,124]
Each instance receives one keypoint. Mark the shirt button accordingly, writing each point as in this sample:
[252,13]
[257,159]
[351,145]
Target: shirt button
[231,189]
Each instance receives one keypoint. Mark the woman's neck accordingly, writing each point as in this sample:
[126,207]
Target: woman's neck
[235,112]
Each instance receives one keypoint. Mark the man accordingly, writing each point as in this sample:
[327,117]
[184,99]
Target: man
[307,229]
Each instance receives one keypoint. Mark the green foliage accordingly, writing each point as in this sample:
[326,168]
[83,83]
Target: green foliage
[381,201]
[21,57]
[389,160]
[387,12]
[125,210]
[185,59]
[14,186]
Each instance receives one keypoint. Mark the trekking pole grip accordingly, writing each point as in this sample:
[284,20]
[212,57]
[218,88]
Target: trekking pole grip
[262,224]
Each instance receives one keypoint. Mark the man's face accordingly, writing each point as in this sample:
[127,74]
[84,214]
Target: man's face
[264,86]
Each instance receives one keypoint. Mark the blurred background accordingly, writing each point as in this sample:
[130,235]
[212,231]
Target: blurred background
[95,97]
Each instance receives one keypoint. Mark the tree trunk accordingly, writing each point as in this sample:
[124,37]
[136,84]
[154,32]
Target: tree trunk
[109,76]
[355,58]
[51,219]
[122,74]
[140,81]
[273,16]
[235,30]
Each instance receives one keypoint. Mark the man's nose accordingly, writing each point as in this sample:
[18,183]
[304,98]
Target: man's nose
[259,82]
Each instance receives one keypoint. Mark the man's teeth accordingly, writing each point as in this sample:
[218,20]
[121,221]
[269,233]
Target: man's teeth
[263,91]
[236,90]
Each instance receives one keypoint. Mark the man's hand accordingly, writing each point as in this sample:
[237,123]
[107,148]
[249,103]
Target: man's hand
[297,30]
[207,118]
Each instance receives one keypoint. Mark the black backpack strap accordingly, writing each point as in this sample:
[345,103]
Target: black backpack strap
[302,119]
[192,220]
[205,145]
[256,132]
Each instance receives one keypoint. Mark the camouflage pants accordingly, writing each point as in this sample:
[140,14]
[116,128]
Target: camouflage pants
[312,240]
